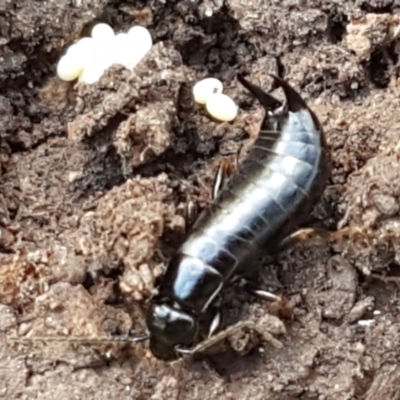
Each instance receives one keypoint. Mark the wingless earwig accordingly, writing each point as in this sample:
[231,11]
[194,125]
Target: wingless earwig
[271,194]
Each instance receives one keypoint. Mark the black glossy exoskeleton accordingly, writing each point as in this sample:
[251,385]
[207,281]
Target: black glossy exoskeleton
[272,192]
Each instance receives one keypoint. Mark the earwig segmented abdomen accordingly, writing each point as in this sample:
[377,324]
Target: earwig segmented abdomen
[272,192]
[267,197]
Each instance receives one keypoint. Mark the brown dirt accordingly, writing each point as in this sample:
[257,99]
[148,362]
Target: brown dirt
[94,182]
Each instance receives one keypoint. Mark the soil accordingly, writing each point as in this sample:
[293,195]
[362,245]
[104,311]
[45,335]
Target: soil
[95,181]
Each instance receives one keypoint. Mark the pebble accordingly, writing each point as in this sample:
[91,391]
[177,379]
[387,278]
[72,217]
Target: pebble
[366,322]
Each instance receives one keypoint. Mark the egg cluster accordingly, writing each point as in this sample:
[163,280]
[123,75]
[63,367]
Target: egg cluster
[90,57]
[220,106]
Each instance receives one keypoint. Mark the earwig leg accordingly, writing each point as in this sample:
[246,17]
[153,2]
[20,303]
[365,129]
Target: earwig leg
[224,171]
[218,181]
[303,235]
[238,157]
[214,324]
[280,304]
[266,295]
[191,215]
[346,233]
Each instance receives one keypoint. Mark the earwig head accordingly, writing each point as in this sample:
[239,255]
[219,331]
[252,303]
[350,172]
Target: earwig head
[169,328]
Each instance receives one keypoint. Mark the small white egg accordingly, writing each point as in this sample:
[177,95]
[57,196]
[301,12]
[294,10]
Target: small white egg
[142,38]
[123,48]
[221,107]
[101,58]
[68,68]
[102,31]
[203,89]
[91,73]
[134,60]
[82,51]
[103,53]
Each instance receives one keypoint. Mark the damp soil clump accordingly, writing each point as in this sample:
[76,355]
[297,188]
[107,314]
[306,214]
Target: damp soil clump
[95,182]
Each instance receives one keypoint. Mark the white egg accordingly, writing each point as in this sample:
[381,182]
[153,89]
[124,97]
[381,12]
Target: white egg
[142,38]
[123,48]
[203,89]
[142,43]
[81,46]
[91,73]
[81,51]
[96,54]
[102,31]
[221,107]
[103,53]
[100,58]
[68,68]
[134,60]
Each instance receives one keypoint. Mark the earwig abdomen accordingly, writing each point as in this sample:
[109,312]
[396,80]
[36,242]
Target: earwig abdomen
[272,192]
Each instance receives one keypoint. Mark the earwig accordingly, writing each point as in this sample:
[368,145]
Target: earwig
[256,212]
[273,191]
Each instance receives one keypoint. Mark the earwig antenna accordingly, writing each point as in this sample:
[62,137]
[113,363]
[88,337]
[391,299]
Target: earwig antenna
[77,339]
[127,339]
[185,352]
